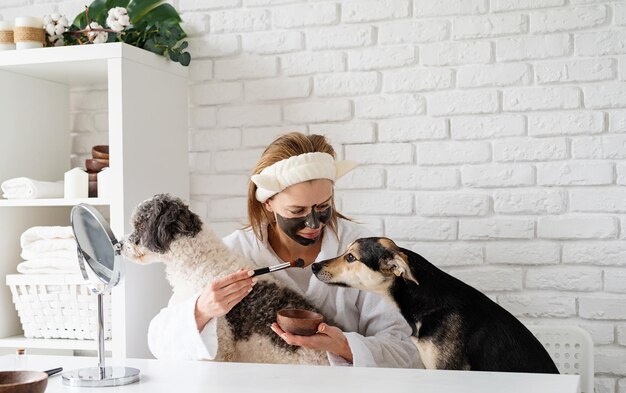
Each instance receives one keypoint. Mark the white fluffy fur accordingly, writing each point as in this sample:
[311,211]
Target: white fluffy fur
[191,264]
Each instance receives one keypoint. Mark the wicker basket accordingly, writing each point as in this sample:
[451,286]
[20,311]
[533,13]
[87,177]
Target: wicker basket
[58,306]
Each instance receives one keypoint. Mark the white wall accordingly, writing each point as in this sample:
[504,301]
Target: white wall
[492,134]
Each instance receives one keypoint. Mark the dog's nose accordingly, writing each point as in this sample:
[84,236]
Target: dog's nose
[316,267]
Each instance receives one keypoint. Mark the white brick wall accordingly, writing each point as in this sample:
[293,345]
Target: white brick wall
[525,252]
[491,134]
[530,201]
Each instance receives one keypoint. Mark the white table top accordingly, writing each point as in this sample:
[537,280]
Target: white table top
[186,376]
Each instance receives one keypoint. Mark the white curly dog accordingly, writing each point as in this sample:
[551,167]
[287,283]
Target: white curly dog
[165,230]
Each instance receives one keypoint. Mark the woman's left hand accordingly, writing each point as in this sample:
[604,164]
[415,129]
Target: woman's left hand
[328,338]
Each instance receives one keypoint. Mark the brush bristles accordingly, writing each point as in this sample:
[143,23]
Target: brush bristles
[299,262]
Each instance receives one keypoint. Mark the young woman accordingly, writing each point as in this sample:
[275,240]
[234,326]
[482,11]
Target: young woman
[292,215]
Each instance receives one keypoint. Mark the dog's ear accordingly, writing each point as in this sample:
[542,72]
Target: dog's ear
[399,266]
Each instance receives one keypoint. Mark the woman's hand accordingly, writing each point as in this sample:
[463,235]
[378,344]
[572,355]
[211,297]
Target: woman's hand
[220,296]
[328,338]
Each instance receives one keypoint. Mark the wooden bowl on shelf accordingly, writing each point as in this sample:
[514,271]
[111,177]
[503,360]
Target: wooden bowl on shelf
[100,151]
[298,321]
[96,164]
[23,381]
[93,189]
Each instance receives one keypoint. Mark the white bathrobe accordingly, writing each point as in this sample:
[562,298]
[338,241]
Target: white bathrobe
[376,331]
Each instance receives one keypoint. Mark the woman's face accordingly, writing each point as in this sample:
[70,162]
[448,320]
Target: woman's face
[303,210]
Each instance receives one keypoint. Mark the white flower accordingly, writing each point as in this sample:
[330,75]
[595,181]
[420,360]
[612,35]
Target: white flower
[97,37]
[55,25]
[118,19]
[51,29]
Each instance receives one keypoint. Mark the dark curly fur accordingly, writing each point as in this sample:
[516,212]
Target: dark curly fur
[161,220]
[265,300]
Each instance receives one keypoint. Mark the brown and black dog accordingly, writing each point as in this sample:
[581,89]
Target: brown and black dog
[456,326]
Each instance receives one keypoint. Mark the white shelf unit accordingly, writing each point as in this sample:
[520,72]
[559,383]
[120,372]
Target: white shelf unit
[53,202]
[147,118]
[39,343]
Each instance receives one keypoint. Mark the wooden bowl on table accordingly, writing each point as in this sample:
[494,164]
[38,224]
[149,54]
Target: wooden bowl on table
[23,381]
[298,321]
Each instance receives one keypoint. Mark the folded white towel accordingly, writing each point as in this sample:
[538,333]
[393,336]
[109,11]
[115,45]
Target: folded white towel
[31,253]
[49,266]
[34,234]
[27,188]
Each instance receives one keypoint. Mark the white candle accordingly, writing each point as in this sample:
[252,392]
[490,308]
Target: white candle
[76,184]
[104,183]
[29,32]
[6,35]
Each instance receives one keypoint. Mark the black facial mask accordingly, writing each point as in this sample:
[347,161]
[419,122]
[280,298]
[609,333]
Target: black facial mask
[313,220]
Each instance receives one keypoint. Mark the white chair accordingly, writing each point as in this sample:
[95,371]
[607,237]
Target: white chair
[571,350]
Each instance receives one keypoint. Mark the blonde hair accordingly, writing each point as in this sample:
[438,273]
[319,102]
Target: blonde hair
[285,146]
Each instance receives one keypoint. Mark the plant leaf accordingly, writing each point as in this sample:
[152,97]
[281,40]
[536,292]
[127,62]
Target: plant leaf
[97,12]
[116,3]
[80,21]
[185,58]
[137,9]
[163,13]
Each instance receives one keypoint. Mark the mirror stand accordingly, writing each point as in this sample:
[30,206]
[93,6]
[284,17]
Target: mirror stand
[102,375]
[100,262]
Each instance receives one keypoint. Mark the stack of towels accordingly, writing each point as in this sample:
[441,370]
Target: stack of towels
[49,250]
[27,188]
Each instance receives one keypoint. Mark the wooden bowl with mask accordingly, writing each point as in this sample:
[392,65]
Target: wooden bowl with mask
[298,321]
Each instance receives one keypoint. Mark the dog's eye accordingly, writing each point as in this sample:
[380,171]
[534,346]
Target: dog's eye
[350,258]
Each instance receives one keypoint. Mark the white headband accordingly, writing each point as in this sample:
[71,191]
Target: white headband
[297,169]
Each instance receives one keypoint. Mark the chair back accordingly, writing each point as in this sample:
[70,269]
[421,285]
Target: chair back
[571,349]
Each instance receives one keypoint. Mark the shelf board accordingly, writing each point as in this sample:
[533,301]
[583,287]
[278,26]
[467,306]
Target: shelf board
[80,64]
[53,202]
[51,343]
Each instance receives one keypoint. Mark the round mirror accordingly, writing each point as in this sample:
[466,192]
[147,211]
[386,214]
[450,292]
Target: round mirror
[97,247]
[101,263]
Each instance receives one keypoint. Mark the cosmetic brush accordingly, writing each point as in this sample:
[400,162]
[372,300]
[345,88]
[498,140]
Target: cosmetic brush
[53,371]
[297,263]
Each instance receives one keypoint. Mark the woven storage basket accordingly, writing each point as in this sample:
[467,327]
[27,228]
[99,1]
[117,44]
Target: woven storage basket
[58,306]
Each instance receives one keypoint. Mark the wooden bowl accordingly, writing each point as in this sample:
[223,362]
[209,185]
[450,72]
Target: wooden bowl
[298,321]
[96,164]
[100,151]
[93,189]
[23,381]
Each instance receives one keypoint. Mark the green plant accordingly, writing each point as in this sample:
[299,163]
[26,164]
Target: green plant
[153,25]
